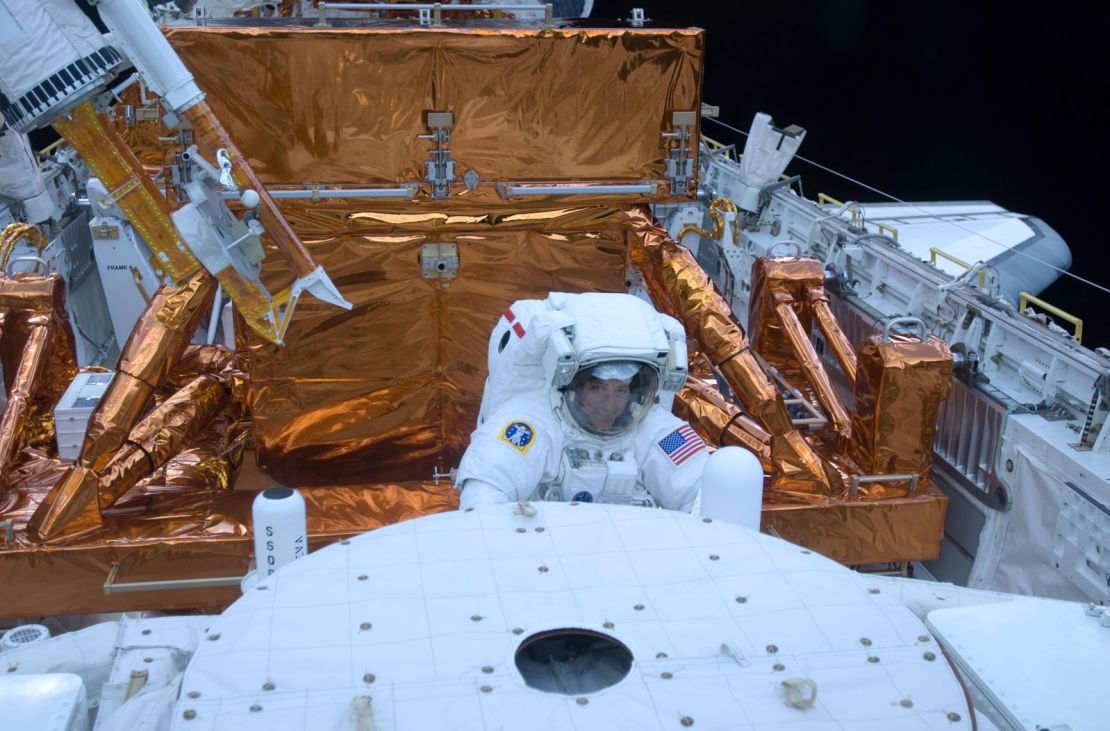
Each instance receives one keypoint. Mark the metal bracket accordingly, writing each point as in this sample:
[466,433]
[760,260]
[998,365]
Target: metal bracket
[638,18]
[439,261]
[680,160]
[441,168]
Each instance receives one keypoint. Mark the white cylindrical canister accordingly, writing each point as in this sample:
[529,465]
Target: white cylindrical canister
[280,532]
[732,487]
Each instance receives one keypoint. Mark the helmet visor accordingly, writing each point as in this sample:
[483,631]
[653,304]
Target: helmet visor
[608,399]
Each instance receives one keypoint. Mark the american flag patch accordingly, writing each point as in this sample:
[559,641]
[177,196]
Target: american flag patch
[681,444]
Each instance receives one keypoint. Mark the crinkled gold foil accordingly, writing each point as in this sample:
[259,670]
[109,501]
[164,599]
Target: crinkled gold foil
[37,351]
[679,285]
[899,387]
[719,422]
[391,389]
[842,350]
[149,356]
[163,433]
[785,275]
[810,363]
[864,532]
[69,507]
[346,106]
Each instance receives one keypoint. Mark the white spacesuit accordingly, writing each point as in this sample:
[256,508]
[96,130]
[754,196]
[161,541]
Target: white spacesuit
[576,407]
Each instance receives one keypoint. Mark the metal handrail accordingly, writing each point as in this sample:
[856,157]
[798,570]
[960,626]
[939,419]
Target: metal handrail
[1026,298]
[111,586]
[858,480]
[934,252]
[823,199]
[430,13]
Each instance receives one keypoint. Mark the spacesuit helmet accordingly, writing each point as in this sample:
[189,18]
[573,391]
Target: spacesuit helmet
[610,398]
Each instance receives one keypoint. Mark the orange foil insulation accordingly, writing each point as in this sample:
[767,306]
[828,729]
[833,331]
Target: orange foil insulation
[679,285]
[842,350]
[719,422]
[163,433]
[150,355]
[900,384]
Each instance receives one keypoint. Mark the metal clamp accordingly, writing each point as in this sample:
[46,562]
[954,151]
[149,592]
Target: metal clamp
[680,160]
[857,480]
[440,169]
[111,586]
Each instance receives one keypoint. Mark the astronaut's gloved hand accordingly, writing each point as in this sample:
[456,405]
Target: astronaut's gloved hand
[476,492]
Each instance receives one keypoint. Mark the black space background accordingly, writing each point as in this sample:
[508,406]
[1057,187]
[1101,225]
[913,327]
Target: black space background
[929,101]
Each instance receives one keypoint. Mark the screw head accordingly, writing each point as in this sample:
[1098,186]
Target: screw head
[263,587]
[872,590]
[779,667]
[687,721]
[365,626]
[487,669]
[256,708]
[12,668]
[741,600]
[468,510]
[344,542]
[714,557]
[580,700]
[521,530]
[707,520]
[146,632]
[213,638]
[666,675]
[929,656]
[518,631]
[607,625]
[923,638]
[486,689]
[268,685]
[543,569]
[540,529]
[872,659]
[953,717]
[193,694]
[639,607]
[475,618]
[189,714]
[369,678]
[865,641]
[363,577]
[906,703]
[660,656]
[772,649]
[806,551]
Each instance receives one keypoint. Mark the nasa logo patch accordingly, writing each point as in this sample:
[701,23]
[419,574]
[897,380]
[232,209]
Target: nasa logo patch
[582,497]
[519,435]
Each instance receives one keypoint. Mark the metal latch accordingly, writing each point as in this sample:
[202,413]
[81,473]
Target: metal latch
[680,159]
[439,261]
[441,168]
[104,231]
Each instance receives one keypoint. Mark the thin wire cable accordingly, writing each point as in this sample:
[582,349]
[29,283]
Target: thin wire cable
[896,199]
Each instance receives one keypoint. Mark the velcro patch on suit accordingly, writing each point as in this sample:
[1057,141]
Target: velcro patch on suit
[519,435]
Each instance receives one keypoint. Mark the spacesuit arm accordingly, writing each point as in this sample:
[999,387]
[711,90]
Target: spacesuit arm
[478,492]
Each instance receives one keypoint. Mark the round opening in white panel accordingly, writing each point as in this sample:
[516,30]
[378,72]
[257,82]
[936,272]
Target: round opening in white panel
[572,661]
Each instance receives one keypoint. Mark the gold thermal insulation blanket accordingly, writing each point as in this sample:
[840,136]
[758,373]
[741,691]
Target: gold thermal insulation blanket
[720,422]
[900,384]
[679,286]
[168,531]
[345,106]
[853,532]
[37,352]
[390,390]
[151,353]
[790,276]
[162,434]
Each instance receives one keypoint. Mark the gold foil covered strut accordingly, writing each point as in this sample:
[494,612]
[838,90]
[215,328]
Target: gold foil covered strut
[811,366]
[679,285]
[150,354]
[162,434]
[842,350]
[30,370]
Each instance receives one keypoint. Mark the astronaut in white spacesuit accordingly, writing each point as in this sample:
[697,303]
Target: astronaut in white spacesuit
[572,409]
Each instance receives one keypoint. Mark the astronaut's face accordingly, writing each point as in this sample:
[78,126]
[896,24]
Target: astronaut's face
[603,402]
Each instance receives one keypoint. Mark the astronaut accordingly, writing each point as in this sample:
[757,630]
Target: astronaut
[576,408]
